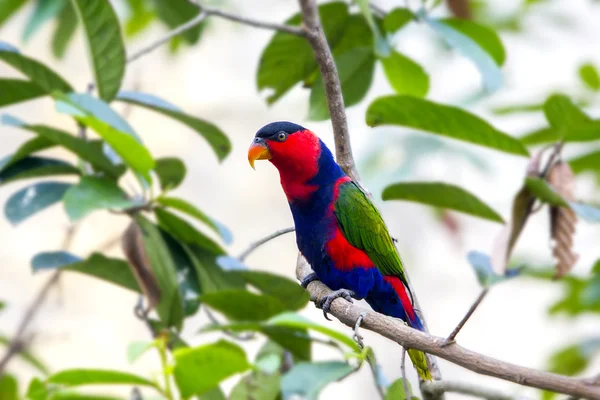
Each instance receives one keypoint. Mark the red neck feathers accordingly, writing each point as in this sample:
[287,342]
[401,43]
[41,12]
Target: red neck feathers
[297,160]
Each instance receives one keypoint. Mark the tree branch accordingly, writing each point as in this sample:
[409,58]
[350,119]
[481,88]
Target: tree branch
[260,242]
[333,90]
[293,30]
[439,387]
[394,329]
[17,344]
[175,32]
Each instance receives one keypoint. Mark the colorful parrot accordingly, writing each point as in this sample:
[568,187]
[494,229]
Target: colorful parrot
[338,229]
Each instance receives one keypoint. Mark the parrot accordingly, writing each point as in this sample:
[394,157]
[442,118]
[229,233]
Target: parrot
[339,230]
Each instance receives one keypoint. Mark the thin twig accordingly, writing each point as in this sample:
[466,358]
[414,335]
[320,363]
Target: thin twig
[407,391]
[410,338]
[333,89]
[450,339]
[293,30]
[197,20]
[255,245]
[17,344]
[439,387]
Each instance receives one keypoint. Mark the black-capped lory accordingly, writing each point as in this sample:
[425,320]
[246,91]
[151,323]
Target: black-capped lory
[338,229]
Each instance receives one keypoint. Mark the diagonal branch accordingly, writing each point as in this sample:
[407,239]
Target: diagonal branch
[333,89]
[394,329]
[253,246]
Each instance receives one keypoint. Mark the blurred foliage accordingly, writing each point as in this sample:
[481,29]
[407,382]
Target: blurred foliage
[176,254]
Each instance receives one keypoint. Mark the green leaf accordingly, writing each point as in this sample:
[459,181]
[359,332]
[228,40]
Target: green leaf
[470,48]
[136,349]
[38,73]
[43,11]
[65,29]
[105,44]
[563,115]
[540,136]
[185,232]
[484,36]
[28,357]
[405,75]
[170,309]
[33,199]
[540,189]
[191,210]
[189,287]
[93,194]
[308,379]
[289,59]
[355,69]
[13,91]
[518,108]
[87,151]
[79,377]
[290,293]
[211,276]
[241,305]
[97,265]
[175,13]
[171,171]
[256,385]
[134,154]
[8,8]
[292,320]
[441,195]
[382,47]
[213,135]
[140,17]
[573,359]
[396,390]
[586,162]
[295,340]
[9,387]
[589,76]
[213,394]
[29,147]
[213,362]
[441,120]
[34,167]
[397,19]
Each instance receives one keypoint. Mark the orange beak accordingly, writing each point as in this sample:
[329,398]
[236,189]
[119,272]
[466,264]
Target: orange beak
[258,151]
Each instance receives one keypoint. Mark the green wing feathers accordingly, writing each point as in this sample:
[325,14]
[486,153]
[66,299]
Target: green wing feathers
[364,228]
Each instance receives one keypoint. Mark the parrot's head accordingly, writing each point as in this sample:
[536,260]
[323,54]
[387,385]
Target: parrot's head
[290,147]
[303,160]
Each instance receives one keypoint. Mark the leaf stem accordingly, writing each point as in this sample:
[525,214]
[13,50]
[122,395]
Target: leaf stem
[162,350]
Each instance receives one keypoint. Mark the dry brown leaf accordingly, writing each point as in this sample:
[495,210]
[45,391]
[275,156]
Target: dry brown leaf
[134,250]
[460,8]
[563,219]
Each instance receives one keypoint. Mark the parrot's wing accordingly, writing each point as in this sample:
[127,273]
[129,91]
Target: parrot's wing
[364,228]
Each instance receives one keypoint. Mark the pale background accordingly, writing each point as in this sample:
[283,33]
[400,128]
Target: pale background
[87,323]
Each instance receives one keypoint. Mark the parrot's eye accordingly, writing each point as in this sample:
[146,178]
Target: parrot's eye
[281,136]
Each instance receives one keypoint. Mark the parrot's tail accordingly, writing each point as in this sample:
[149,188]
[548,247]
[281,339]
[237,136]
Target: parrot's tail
[381,302]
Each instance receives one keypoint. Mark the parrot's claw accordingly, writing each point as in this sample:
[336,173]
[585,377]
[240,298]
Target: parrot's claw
[325,303]
[308,279]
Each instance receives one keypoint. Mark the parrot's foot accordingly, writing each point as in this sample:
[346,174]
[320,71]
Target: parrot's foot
[357,336]
[308,279]
[326,301]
